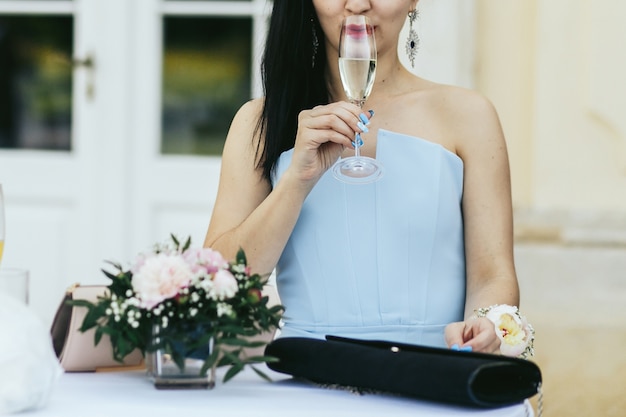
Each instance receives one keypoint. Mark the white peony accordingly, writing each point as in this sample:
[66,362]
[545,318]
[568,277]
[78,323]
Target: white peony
[161,277]
[224,285]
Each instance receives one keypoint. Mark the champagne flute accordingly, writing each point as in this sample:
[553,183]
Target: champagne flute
[357,68]
[1,223]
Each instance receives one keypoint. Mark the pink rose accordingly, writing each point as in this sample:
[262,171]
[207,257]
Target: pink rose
[224,285]
[161,277]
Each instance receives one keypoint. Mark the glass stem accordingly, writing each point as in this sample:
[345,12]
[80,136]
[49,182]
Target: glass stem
[357,147]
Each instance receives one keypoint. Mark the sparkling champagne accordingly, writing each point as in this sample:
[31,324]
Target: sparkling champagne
[357,77]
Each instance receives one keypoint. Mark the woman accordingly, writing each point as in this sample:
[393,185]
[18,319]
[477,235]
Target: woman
[408,258]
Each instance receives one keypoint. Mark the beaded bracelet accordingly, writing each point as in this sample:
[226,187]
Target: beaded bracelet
[516,335]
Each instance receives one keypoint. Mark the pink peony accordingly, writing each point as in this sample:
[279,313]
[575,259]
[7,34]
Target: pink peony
[205,260]
[139,261]
[224,285]
[161,277]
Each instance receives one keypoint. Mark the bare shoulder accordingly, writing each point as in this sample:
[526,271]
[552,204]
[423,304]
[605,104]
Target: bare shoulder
[242,139]
[463,106]
[251,108]
[246,117]
[455,117]
[466,118]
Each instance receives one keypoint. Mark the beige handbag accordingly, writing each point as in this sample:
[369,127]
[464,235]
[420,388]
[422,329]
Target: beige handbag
[76,350]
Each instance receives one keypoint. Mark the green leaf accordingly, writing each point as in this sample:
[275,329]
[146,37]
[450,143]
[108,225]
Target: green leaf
[226,328]
[178,359]
[234,370]
[187,244]
[210,361]
[261,374]
[109,275]
[278,308]
[241,257]
[224,361]
[80,303]
[116,265]
[233,357]
[261,359]
[241,342]
[98,335]
[176,242]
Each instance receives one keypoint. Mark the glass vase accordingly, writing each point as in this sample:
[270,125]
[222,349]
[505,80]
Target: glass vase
[178,363]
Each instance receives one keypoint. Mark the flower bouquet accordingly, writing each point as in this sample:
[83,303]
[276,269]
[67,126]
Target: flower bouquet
[188,310]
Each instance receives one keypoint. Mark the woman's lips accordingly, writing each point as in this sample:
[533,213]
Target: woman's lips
[359,31]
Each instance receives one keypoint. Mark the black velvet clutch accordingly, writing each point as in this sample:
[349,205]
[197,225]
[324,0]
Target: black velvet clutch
[434,374]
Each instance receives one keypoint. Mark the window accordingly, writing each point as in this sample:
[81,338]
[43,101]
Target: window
[36,81]
[206,78]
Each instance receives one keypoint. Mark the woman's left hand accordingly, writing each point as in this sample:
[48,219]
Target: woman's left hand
[479,333]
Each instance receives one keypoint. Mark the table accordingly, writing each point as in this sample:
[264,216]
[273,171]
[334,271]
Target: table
[131,393]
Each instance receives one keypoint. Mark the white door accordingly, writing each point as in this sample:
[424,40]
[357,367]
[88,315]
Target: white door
[113,114]
[112,117]
[47,158]
[195,64]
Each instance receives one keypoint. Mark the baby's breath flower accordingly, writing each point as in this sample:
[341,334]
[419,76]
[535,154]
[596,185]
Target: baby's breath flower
[224,309]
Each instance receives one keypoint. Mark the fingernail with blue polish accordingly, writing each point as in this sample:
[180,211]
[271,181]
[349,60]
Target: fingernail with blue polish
[454,347]
[362,127]
[364,119]
[371,112]
[466,349]
[358,142]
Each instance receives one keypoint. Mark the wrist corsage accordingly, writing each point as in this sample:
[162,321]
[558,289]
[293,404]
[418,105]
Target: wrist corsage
[516,335]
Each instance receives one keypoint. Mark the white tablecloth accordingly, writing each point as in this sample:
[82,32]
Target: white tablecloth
[131,393]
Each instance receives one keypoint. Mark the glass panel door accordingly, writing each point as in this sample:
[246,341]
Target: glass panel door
[196,63]
[206,78]
[36,81]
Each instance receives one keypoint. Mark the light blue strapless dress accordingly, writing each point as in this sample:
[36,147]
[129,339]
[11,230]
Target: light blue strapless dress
[383,260]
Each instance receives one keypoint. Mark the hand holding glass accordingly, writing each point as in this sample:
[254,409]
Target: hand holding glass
[357,68]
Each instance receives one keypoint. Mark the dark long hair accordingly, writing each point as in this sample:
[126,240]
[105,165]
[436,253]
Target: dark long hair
[293,77]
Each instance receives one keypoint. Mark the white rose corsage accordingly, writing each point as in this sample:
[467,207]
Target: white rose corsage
[516,335]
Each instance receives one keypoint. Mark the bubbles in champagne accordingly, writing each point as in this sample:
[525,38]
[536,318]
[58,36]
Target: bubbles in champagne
[357,77]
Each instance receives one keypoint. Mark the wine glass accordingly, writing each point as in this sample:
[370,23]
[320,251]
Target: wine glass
[357,68]
[1,223]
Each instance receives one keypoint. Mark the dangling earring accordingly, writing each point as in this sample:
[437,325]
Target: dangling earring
[413,41]
[316,42]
